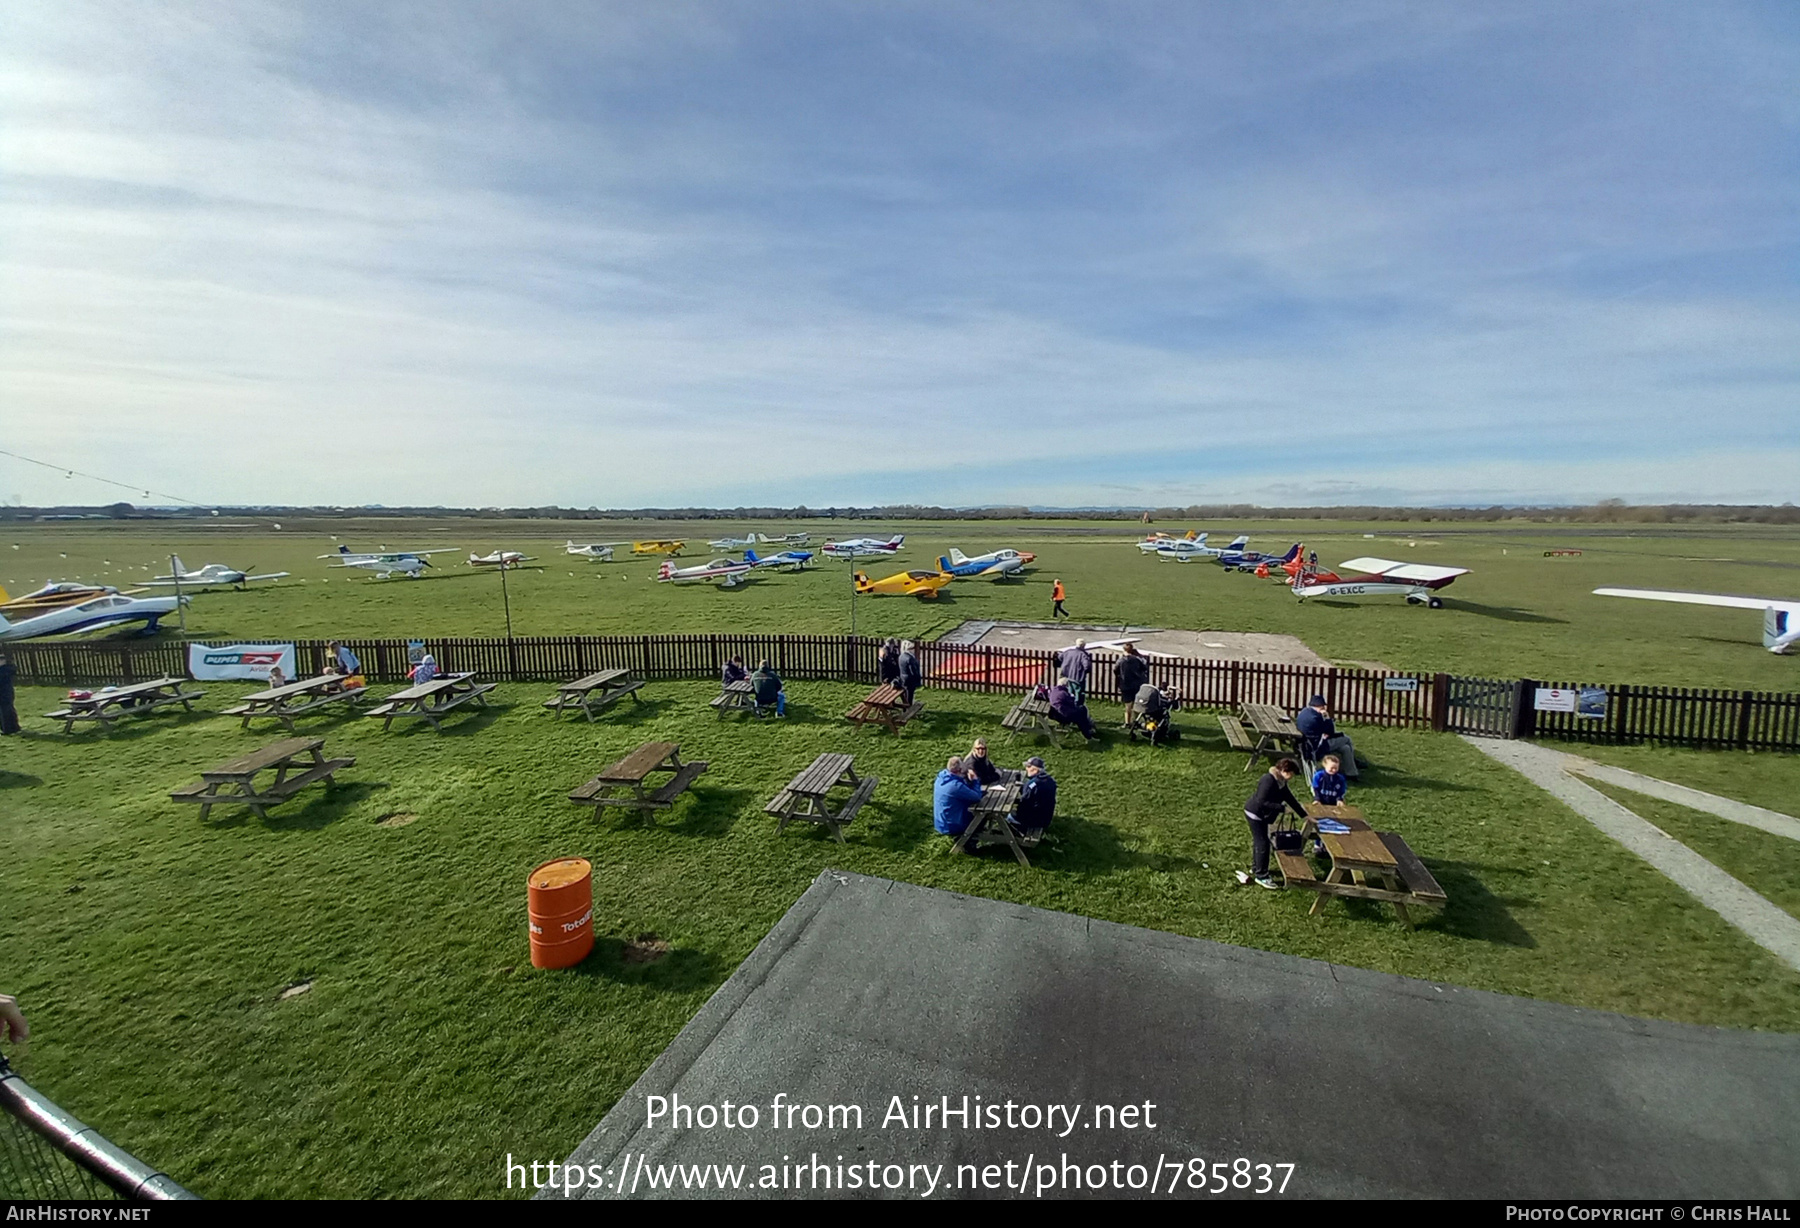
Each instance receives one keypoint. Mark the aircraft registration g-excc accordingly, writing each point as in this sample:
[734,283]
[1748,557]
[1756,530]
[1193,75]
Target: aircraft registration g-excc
[209,576]
[408,563]
[1781,627]
[1417,582]
[855,546]
[63,609]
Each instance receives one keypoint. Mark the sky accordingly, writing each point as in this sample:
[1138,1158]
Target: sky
[673,254]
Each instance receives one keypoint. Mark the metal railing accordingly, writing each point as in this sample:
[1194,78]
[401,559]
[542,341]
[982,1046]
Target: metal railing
[45,1153]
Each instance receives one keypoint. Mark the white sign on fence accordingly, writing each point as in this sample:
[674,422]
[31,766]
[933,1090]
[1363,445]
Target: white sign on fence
[1554,699]
[239,661]
[1399,684]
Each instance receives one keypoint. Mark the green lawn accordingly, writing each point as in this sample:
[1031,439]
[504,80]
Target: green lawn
[1762,861]
[150,948]
[1770,779]
[1519,614]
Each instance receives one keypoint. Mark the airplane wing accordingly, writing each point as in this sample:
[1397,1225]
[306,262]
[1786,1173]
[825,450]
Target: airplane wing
[1719,599]
[1388,569]
[273,575]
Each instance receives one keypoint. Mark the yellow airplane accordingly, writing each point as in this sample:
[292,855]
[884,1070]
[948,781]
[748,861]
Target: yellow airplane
[657,547]
[922,584]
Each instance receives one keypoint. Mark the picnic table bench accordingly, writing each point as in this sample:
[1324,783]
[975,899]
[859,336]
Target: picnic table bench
[132,699]
[737,696]
[807,795]
[284,703]
[430,700]
[234,783]
[988,822]
[1366,865]
[1274,729]
[625,783]
[595,692]
[886,705]
[1031,716]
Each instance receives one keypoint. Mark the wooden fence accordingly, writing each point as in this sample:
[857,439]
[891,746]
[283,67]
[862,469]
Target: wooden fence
[1752,720]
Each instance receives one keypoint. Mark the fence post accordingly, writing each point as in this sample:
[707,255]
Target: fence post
[1524,713]
[1440,702]
[644,644]
[1237,670]
[1743,719]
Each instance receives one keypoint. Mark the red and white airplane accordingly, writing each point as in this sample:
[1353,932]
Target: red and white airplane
[1781,627]
[863,547]
[1417,582]
[725,572]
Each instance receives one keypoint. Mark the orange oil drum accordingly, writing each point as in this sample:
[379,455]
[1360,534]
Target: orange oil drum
[559,899]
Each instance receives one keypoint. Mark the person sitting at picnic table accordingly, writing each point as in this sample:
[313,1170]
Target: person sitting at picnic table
[1271,798]
[956,790]
[276,677]
[1131,672]
[424,671]
[1066,710]
[347,661]
[978,762]
[765,684]
[1037,798]
[1319,736]
[910,673]
[734,671]
[887,662]
[1328,784]
[1074,663]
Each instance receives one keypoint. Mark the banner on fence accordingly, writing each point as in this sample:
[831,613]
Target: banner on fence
[1554,699]
[1591,703]
[239,662]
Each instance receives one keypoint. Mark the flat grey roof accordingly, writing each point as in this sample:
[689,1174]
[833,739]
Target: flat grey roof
[1368,1084]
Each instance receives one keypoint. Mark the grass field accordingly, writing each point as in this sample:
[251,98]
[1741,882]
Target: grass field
[152,948]
[1519,614]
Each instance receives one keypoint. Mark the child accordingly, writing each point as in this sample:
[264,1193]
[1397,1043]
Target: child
[1328,783]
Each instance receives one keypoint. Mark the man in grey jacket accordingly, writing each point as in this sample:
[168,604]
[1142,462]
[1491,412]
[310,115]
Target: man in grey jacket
[1075,664]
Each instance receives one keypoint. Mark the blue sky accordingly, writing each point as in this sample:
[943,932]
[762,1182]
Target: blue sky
[637,254]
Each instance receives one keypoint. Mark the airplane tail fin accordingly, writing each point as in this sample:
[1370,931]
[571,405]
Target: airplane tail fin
[862,582]
[1190,535]
[1779,630]
[180,567]
[750,557]
[956,556]
[666,570]
[343,549]
[944,562]
[1292,554]
[896,539]
[1239,542]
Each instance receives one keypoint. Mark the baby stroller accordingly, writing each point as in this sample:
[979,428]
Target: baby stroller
[1155,720]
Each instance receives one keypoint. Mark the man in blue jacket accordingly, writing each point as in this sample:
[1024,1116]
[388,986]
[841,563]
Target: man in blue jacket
[1037,797]
[956,790]
[1319,736]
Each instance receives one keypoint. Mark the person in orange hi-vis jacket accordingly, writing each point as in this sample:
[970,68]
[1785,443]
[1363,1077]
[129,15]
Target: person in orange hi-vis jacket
[1056,596]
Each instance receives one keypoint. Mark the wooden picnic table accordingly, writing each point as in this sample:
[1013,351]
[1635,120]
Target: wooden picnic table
[807,795]
[1273,726]
[737,696]
[234,783]
[1031,716]
[284,703]
[1366,865]
[595,692]
[886,705]
[430,700]
[989,822]
[625,783]
[132,699]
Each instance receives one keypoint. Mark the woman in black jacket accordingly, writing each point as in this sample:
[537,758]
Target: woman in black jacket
[887,662]
[1131,672]
[1264,807]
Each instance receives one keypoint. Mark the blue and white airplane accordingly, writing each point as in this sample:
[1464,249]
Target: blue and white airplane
[45,613]
[1183,550]
[1250,560]
[796,559]
[995,565]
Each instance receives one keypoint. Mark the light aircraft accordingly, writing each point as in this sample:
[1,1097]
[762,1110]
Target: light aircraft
[1417,582]
[1118,645]
[995,565]
[37,614]
[595,553]
[1250,560]
[729,574]
[1183,551]
[506,560]
[796,559]
[659,546]
[863,546]
[1154,542]
[208,576]
[732,543]
[922,584]
[1781,627]
[53,596]
[787,539]
[408,563]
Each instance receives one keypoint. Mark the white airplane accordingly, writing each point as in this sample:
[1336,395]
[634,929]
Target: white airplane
[786,539]
[1417,582]
[109,609]
[1118,645]
[1151,544]
[595,553]
[409,563]
[994,565]
[796,559]
[208,576]
[729,574]
[1183,551]
[856,546]
[506,560]
[1780,626]
[733,543]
